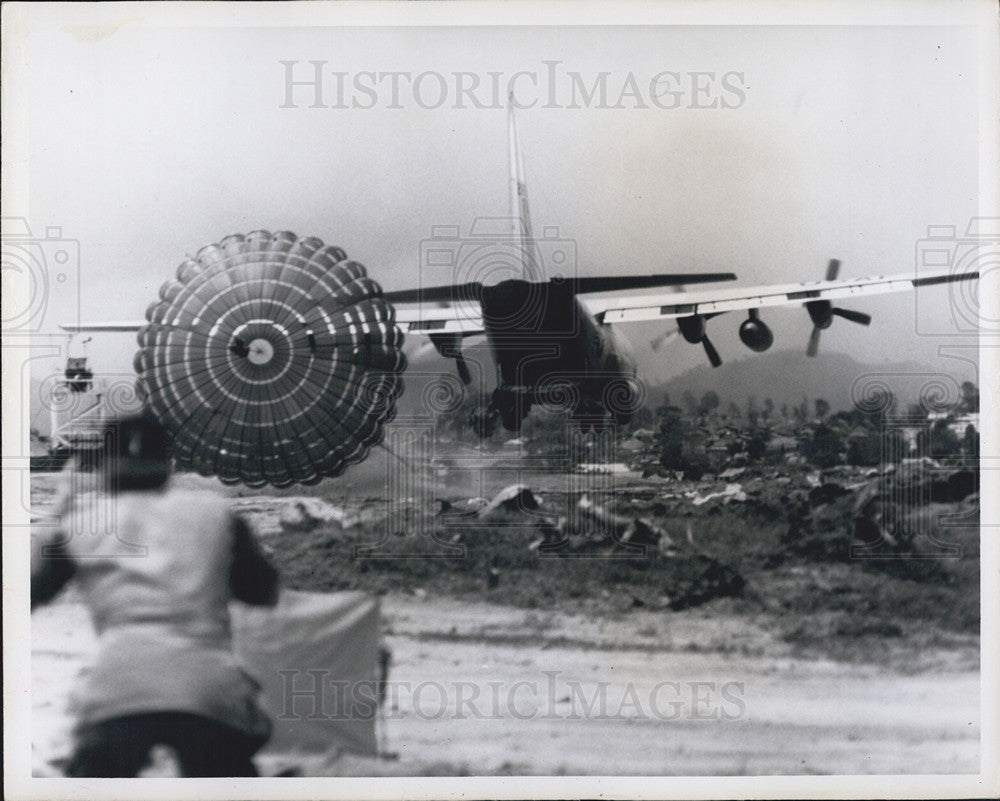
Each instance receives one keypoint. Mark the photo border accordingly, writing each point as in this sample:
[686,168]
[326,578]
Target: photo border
[19,19]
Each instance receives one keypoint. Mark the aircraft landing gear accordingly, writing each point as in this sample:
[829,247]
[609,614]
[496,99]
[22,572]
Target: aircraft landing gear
[506,406]
[513,407]
[590,415]
[511,420]
[484,421]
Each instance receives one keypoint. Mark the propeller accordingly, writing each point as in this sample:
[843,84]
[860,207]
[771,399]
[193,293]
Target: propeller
[667,336]
[711,352]
[813,347]
[822,312]
[854,316]
[664,338]
[422,350]
[693,330]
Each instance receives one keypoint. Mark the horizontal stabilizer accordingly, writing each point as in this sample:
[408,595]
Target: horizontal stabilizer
[127,326]
[455,293]
[617,283]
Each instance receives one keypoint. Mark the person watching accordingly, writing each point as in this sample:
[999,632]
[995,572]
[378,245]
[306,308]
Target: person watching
[156,567]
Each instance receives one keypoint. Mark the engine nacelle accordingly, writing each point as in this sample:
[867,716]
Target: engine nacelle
[755,334]
[692,328]
[820,312]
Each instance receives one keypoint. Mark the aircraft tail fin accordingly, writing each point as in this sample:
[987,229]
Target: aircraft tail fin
[520,213]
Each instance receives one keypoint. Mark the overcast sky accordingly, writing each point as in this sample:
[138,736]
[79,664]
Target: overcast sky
[146,143]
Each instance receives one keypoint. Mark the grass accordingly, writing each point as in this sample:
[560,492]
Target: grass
[833,607]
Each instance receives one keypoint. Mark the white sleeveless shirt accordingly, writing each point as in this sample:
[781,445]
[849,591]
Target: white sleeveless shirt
[153,568]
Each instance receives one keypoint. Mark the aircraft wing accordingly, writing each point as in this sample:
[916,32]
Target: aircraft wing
[463,319]
[125,326]
[455,309]
[665,306]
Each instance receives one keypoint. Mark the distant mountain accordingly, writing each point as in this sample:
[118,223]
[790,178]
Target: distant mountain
[785,376]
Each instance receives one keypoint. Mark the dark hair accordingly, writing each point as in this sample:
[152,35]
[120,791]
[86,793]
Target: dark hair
[136,453]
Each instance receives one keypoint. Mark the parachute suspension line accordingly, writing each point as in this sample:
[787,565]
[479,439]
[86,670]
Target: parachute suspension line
[402,459]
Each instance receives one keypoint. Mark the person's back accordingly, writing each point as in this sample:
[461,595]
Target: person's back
[156,567]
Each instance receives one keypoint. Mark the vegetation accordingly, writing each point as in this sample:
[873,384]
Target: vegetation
[708,434]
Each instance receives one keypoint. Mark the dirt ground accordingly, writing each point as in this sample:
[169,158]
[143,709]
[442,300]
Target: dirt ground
[791,716]
[563,669]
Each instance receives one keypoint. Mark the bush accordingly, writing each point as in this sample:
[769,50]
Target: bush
[942,441]
[757,443]
[824,448]
[872,448]
[682,445]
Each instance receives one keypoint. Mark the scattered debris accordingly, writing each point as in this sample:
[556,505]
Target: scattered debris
[515,498]
[921,483]
[307,514]
[607,467]
[592,528]
[732,492]
[634,531]
[696,577]
[631,445]
[963,484]
[886,520]
[921,461]
[825,493]
[708,579]
[454,514]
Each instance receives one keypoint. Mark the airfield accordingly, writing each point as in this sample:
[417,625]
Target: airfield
[784,657]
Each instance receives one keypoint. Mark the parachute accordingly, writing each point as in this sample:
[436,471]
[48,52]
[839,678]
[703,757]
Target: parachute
[271,359]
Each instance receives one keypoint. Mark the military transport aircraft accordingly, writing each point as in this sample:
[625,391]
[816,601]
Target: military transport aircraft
[554,345]
[554,338]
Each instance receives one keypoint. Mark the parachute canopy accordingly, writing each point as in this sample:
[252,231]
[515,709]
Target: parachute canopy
[271,359]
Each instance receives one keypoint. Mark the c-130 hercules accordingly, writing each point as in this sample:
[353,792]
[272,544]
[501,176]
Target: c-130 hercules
[554,339]
[552,344]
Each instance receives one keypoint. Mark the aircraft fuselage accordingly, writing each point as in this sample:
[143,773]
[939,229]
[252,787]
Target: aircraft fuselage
[543,338]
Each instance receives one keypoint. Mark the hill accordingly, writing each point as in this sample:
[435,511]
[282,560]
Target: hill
[786,375]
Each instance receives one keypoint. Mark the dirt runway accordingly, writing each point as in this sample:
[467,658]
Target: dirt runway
[478,688]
